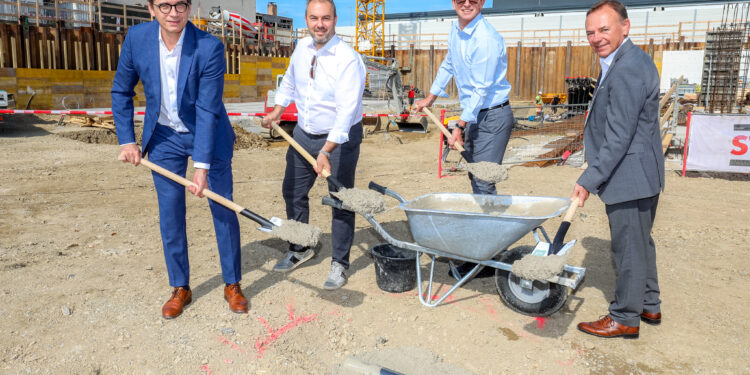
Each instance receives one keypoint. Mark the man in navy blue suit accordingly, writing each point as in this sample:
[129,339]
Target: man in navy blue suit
[182,71]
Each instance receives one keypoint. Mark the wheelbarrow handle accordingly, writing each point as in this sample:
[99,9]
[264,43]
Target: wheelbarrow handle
[335,203]
[385,191]
[377,187]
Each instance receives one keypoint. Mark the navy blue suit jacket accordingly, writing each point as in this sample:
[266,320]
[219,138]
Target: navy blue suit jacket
[200,86]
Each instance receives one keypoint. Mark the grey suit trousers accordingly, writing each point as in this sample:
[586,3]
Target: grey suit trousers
[486,141]
[300,177]
[637,285]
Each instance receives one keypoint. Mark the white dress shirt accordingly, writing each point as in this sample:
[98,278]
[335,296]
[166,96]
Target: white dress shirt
[331,102]
[169,63]
[605,62]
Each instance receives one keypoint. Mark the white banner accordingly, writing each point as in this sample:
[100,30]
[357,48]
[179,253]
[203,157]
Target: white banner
[719,143]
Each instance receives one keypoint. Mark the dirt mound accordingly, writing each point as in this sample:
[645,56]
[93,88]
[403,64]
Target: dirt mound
[246,139]
[100,136]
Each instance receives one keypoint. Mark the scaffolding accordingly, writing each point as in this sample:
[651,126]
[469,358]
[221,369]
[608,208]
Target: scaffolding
[725,62]
[370,28]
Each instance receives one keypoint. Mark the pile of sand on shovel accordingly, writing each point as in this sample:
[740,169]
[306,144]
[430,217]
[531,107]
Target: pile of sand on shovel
[488,171]
[534,267]
[362,201]
[297,233]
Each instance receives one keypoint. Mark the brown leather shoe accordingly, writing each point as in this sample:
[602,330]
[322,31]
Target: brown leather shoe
[180,298]
[651,318]
[233,295]
[606,327]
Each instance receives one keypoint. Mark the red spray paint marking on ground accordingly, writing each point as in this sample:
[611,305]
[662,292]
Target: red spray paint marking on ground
[232,345]
[261,345]
[206,370]
[540,322]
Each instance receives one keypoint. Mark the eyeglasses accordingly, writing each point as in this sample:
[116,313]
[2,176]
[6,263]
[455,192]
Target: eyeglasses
[180,7]
[312,67]
[472,2]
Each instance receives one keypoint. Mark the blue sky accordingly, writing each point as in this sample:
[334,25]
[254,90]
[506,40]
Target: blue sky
[345,8]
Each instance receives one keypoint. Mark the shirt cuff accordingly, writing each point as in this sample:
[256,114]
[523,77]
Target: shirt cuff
[337,136]
[202,165]
[468,116]
[282,100]
[125,144]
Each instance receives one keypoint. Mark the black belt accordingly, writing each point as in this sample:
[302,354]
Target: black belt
[507,102]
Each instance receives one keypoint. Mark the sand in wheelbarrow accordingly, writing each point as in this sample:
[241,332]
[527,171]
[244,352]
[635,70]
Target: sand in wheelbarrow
[362,201]
[488,171]
[297,233]
[534,267]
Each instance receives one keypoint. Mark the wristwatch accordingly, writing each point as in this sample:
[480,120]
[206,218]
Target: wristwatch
[461,127]
[324,152]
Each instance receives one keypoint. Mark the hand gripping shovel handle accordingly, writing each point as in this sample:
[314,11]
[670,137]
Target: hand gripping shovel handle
[336,184]
[448,134]
[559,240]
[210,194]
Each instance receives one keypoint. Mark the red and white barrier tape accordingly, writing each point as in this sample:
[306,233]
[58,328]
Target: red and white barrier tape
[286,116]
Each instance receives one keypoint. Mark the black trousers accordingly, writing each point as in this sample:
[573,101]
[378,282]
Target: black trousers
[300,177]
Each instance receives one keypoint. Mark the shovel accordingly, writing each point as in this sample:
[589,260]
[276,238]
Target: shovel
[486,171]
[547,264]
[559,240]
[361,201]
[309,234]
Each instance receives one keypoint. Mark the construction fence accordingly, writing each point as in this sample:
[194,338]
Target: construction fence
[74,89]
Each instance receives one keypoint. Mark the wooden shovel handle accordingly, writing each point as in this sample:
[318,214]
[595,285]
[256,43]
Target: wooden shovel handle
[185,182]
[571,210]
[299,149]
[442,128]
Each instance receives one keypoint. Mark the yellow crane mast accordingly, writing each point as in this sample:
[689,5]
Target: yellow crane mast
[370,28]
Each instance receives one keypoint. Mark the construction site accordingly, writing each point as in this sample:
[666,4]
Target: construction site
[82,268]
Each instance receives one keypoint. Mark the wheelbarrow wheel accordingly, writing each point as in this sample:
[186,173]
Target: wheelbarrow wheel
[543,299]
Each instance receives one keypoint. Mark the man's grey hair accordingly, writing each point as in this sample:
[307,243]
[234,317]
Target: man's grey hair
[321,1]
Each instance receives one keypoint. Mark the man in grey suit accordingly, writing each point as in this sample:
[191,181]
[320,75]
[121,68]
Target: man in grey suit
[625,167]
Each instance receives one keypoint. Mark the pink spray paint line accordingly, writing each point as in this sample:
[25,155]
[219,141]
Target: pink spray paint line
[261,345]
[540,322]
[206,370]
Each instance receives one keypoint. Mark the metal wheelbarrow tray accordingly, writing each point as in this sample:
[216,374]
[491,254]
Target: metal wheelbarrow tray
[479,229]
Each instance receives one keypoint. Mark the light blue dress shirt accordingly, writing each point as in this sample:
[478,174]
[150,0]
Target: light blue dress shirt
[478,61]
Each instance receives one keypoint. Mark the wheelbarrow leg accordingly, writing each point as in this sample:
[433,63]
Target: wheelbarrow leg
[427,301]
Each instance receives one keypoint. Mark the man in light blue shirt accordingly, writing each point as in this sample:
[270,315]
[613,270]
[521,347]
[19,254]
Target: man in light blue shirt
[478,62]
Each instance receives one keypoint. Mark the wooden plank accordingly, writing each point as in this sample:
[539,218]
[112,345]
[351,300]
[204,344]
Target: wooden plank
[665,142]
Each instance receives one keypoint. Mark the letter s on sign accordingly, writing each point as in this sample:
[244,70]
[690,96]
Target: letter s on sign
[737,142]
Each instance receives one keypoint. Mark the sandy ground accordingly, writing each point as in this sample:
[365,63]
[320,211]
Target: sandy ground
[82,275]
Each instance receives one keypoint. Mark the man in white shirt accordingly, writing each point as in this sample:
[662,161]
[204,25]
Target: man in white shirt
[326,79]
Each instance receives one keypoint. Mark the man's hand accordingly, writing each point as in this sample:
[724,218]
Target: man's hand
[322,164]
[199,182]
[456,138]
[426,102]
[273,117]
[130,154]
[582,194]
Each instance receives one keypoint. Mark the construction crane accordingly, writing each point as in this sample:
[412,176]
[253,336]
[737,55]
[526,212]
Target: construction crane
[370,28]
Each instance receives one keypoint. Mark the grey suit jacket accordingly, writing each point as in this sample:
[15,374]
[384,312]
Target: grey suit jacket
[622,138]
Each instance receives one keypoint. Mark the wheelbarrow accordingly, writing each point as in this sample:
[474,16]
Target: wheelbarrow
[480,229]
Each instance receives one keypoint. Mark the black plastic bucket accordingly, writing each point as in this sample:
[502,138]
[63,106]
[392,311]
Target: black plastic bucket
[395,268]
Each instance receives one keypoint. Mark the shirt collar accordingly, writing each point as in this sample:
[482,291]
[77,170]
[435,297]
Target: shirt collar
[469,29]
[329,47]
[608,60]
[179,41]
